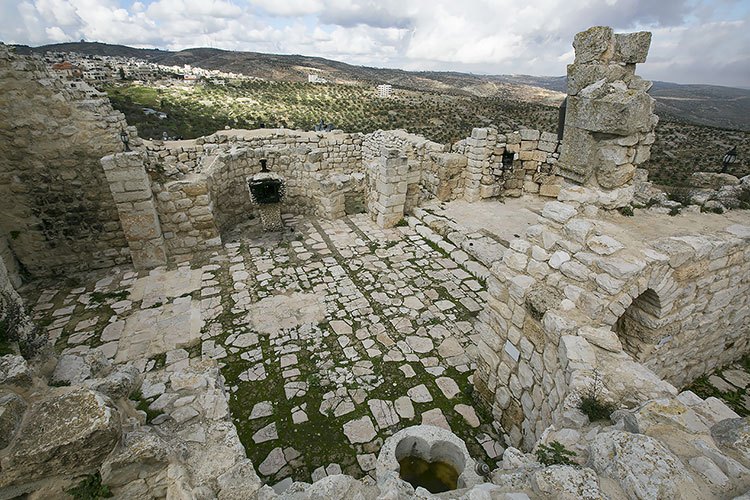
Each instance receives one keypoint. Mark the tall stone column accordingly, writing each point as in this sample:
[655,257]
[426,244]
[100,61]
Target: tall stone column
[388,178]
[131,190]
[610,120]
[477,164]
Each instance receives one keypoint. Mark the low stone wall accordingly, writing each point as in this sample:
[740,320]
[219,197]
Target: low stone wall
[441,174]
[201,186]
[186,212]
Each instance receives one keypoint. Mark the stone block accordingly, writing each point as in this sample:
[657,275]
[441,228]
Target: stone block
[548,147]
[594,44]
[69,433]
[140,226]
[551,190]
[631,48]
[149,256]
[619,113]
[513,139]
[529,134]
[612,176]
[577,154]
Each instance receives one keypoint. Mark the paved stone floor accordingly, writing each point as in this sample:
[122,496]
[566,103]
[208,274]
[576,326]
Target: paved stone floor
[332,336]
[729,383]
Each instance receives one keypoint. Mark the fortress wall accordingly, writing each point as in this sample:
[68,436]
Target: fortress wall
[587,298]
[568,301]
[54,199]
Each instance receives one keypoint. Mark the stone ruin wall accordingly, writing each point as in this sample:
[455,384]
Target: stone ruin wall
[556,298]
[441,174]
[509,164]
[198,186]
[210,193]
[58,212]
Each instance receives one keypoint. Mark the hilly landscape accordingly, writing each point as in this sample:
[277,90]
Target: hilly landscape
[712,105]
[698,123]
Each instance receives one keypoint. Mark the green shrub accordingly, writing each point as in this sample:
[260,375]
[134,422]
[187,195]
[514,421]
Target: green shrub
[402,223]
[90,488]
[591,403]
[554,454]
[674,211]
[627,211]
[596,409]
[712,210]
[680,195]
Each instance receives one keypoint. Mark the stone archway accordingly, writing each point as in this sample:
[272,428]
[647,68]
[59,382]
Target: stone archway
[641,327]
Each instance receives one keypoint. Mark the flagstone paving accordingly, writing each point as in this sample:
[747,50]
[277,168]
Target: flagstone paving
[332,336]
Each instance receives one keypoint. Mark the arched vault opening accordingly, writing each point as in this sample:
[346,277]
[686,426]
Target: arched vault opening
[641,327]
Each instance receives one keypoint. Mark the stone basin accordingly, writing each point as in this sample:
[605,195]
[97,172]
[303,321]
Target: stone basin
[431,444]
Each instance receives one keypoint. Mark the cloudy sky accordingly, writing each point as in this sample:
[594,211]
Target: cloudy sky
[695,41]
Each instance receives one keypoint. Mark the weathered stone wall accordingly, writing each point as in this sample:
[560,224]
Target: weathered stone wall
[569,298]
[186,213]
[584,291]
[441,174]
[201,186]
[509,164]
[387,184]
[54,198]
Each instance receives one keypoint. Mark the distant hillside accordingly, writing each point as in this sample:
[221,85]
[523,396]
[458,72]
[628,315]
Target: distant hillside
[95,49]
[295,68]
[711,105]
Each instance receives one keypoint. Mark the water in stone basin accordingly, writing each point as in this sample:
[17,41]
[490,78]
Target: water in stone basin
[436,477]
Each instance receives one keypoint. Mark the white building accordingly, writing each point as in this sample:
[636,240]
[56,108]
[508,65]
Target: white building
[384,90]
[313,78]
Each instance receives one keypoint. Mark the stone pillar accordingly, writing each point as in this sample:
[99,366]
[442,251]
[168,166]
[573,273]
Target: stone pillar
[131,190]
[332,201]
[387,184]
[609,122]
[477,164]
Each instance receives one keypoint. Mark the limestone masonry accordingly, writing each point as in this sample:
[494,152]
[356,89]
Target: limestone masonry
[454,303]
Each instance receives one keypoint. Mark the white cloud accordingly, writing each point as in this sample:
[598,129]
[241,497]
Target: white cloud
[694,40]
[289,8]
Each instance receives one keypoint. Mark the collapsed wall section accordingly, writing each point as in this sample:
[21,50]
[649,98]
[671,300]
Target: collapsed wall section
[55,203]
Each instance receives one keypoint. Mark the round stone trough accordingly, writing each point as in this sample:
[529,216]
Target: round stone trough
[428,443]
